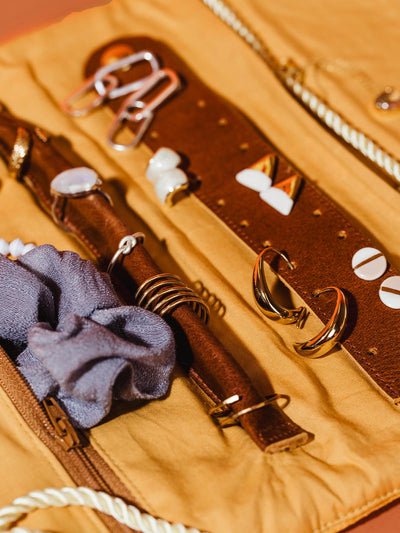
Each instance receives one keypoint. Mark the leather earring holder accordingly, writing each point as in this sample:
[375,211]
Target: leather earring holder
[219,142]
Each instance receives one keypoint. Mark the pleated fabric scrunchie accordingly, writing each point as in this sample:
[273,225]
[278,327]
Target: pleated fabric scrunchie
[63,324]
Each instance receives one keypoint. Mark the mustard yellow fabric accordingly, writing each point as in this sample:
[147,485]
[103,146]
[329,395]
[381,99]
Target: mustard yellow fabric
[169,453]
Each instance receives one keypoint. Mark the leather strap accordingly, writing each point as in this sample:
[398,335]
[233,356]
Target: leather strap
[93,220]
[219,142]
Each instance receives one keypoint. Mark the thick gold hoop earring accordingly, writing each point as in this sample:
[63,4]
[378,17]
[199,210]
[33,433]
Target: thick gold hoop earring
[330,335]
[263,296]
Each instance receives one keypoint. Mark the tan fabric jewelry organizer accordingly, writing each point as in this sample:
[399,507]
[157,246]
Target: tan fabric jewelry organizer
[169,454]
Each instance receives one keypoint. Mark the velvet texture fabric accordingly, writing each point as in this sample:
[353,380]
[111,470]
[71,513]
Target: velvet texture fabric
[72,339]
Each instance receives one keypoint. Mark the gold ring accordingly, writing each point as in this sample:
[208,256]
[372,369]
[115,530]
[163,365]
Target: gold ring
[19,153]
[225,419]
[330,335]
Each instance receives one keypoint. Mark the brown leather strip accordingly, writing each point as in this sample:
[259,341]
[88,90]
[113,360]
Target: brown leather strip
[93,220]
[219,141]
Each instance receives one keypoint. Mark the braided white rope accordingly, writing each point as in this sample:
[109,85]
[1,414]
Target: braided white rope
[356,138]
[128,515]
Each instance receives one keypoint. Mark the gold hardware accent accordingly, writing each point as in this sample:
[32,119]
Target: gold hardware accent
[19,153]
[244,147]
[264,299]
[42,134]
[330,335]
[290,69]
[266,164]
[114,53]
[162,293]
[211,299]
[388,100]
[223,415]
[220,408]
[290,186]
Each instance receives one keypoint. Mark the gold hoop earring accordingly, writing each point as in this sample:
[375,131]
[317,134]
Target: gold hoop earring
[330,335]
[264,299]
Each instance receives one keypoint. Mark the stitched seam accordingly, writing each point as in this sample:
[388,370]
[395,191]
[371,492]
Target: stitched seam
[363,507]
[121,473]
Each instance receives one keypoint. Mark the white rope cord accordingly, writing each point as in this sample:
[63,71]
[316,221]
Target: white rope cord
[128,515]
[356,138]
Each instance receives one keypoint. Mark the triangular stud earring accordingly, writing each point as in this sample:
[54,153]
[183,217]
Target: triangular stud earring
[282,195]
[290,186]
[258,177]
[267,165]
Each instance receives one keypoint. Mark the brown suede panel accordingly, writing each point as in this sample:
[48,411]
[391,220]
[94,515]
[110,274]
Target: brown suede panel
[321,246]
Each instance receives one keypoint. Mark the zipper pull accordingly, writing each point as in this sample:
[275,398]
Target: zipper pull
[65,432]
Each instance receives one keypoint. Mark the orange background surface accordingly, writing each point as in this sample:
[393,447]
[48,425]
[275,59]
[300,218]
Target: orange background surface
[20,16]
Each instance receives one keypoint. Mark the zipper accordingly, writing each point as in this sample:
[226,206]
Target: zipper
[64,430]
[70,446]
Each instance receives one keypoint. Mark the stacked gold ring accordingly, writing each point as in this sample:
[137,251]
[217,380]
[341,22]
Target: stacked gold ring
[163,293]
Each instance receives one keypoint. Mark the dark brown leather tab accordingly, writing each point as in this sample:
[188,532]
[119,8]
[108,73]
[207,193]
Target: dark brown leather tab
[219,141]
[94,221]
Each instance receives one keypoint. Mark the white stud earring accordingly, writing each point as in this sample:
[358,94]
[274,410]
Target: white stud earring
[164,159]
[167,179]
[369,263]
[389,292]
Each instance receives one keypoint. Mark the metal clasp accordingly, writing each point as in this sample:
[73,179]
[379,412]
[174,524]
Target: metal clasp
[134,109]
[109,83]
[133,59]
[105,83]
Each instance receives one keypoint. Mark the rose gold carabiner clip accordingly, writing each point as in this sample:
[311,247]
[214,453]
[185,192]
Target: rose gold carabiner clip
[134,109]
[105,84]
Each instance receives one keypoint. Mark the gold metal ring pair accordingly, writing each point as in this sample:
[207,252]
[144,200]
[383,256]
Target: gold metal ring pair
[331,333]
[223,415]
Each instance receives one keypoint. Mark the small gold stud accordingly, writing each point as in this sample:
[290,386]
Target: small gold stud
[115,53]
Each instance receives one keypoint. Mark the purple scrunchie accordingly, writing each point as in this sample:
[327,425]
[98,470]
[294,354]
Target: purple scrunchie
[71,338]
